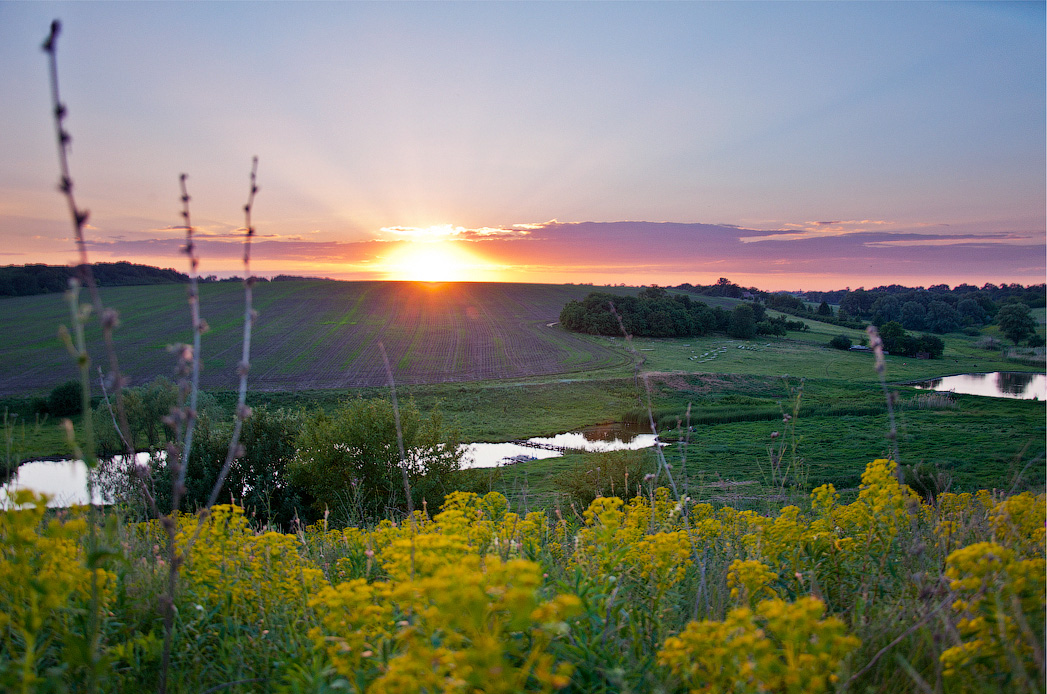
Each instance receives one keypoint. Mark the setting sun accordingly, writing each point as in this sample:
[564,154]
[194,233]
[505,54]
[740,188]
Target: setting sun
[434,261]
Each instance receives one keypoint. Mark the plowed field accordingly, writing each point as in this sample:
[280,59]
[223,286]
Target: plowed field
[316,334]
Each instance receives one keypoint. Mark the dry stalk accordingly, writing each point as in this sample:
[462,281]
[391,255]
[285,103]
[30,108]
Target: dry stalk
[186,415]
[684,502]
[399,432]
[881,370]
[108,317]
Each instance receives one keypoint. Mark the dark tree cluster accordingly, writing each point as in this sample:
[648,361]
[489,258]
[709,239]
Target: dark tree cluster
[897,341]
[26,280]
[652,313]
[723,287]
[780,325]
[936,309]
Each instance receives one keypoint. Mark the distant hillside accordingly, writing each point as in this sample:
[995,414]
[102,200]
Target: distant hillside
[317,334]
[27,280]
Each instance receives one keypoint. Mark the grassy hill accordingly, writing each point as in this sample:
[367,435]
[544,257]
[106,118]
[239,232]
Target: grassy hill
[318,334]
[493,358]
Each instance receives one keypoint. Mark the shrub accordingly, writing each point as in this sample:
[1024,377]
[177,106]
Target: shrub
[65,400]
[350,460]
[840,342]
[989,343]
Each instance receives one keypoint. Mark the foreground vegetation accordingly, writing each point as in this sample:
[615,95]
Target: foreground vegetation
[647,589]
[888,593]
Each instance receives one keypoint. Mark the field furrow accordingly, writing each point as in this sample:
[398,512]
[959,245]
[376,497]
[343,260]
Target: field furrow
[314,334]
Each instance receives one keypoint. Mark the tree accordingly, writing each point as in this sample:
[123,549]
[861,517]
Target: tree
[349,460]
[145,407]
[824,309]
[743,322]
[1016,322]
[942,318]
[857,303]
[886,308]
[971,312]
[913,315]
[892,334]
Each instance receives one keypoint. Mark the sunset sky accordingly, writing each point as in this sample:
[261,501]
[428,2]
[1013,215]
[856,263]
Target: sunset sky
[785,145]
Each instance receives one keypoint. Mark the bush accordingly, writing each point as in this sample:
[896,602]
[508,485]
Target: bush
[349,460]
[65,400]
[840,342]
[989,343]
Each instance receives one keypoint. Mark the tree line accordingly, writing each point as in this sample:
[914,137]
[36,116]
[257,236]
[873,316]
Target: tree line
[26,280]
[937,309]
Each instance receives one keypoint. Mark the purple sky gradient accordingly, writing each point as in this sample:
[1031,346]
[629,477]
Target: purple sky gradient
[782,145]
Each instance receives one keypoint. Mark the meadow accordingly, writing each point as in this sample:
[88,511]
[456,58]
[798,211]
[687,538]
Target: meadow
[784,561]
[737,391]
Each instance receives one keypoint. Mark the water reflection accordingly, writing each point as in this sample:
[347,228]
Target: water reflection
[999,384]
[65,481]
[597,439]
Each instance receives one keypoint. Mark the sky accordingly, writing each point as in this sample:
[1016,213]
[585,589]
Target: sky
[783,145]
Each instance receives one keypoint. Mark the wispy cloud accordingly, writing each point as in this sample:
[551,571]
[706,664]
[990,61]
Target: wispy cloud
[443,232]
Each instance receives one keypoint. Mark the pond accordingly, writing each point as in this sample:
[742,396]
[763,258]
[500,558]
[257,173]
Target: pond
[998,384]
[66,480]
[598,439]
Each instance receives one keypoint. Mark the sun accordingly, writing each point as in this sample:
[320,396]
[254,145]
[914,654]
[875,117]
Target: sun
[433,261]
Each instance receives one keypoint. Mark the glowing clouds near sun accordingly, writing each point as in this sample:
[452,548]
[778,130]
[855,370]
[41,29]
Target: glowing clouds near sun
[435,261]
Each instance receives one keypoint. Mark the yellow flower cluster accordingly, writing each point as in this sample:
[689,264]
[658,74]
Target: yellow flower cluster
[1020,522]
[453,614]
[246,573]
[749,581]
[463,601]
[43,577]
[775,647]
[999,594]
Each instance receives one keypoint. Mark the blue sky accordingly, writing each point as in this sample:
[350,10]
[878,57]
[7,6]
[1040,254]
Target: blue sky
[852,129]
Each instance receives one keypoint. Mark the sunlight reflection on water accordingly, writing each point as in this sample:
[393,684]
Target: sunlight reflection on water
[65,481]
[997,384]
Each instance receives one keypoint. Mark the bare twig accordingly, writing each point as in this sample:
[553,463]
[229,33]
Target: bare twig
[242,410]
[187,418]
[109,317]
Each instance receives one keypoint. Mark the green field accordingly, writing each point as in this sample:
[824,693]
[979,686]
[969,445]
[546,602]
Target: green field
[492,358]
[316,334]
